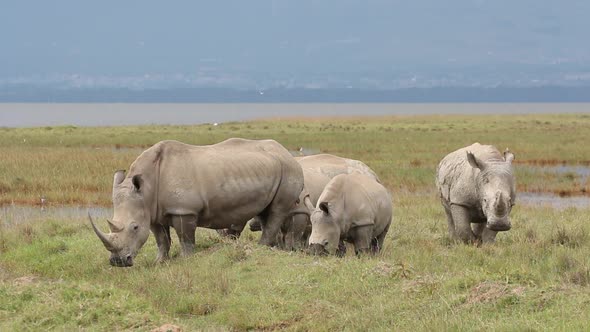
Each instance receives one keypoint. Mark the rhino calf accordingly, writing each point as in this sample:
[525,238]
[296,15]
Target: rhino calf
[318,170]
[477,190]
[352,208]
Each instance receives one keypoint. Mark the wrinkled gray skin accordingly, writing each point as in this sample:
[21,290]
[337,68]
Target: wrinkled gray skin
[331,165]
[219,186]
[352,208]
[318,170]
[477,190]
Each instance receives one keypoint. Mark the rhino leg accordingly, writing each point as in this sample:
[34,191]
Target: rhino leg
[361,237]
[271,228]
[162,234]
[450,222]
[233,232]
[293,232]
[298,230]
[341,251]
[377,243]
[461,220]
[484,234]
[185,227]
[285,236]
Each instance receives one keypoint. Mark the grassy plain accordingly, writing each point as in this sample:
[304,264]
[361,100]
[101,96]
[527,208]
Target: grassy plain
[54,273]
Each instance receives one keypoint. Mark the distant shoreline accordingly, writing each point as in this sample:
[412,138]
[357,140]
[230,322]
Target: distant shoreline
[120,114]
[50,94]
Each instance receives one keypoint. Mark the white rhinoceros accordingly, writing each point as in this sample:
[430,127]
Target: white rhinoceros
[218,186]
[477,190]
[353,208]
[318,170]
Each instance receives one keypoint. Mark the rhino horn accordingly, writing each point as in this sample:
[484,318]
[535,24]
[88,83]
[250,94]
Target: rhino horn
[113,227]
[500,204]
[105,238]
[308,204]
[118,177]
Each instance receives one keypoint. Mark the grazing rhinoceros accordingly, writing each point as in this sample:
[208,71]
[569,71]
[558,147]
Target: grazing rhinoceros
[318,170]
[331,165]
[185,186]
[353,208]
[477,190]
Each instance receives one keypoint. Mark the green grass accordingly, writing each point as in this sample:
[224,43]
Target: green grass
[71,165]
[54,274]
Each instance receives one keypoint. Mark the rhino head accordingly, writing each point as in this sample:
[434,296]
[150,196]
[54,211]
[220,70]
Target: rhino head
[129,229]
[325,230]
[495,189]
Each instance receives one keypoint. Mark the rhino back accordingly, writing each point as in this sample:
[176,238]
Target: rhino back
[315,182]
[370,200]
[225,183]
[332,165]
[361,201]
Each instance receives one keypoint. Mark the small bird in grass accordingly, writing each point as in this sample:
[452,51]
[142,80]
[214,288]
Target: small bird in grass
[43,200]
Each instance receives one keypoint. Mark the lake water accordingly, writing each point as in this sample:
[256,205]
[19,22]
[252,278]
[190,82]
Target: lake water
[553,201]
[32,115]
[15,214]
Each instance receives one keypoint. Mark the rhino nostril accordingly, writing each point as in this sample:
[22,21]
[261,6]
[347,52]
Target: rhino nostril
[325,243]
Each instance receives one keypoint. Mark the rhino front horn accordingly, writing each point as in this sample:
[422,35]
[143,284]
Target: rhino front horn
[102,236]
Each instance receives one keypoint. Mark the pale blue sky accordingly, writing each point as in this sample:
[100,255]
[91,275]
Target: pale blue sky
[135,37]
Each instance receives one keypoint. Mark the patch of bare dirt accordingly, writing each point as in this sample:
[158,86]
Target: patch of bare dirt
[489,291]
[167,328]
[26,280]
[282,325]
[399,270]
[424,283]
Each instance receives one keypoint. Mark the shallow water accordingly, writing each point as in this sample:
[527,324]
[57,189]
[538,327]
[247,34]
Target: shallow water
[553,201]
[15,214]
[582,171]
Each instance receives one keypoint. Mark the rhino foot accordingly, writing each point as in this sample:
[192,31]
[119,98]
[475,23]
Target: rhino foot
[161,259]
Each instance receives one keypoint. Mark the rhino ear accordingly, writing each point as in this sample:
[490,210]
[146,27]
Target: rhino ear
[474,162]
[324,207]
[508,156]
[118,177]
[137,182]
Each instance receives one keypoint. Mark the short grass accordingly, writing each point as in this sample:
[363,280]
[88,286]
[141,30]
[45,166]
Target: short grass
[54,274]
[74,165]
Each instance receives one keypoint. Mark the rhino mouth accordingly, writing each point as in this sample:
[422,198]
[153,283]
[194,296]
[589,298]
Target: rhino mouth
[499,226]
[317,249]
[121,261]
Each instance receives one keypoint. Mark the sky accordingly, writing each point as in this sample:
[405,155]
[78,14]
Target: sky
[117,38]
